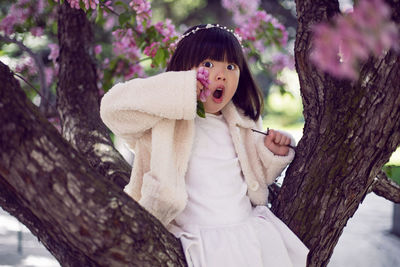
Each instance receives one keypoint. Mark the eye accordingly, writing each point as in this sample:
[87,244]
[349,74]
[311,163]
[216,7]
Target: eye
[231,67]
[207,64]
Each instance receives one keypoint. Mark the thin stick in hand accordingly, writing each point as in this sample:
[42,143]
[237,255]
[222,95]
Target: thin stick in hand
[266,133]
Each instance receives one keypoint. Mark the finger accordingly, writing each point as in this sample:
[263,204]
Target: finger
[270,137]
[283,140]
[283,151]
[288,141]
[278,138]
[199,87]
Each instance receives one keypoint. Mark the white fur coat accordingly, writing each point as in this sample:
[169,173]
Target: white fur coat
[155,116]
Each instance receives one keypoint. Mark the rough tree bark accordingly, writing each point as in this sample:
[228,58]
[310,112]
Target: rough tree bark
[67,196]
[80,216]
[386,187]
[78,97]
[78,106]
[351,129]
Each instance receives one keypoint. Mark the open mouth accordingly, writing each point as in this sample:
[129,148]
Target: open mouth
[217,95]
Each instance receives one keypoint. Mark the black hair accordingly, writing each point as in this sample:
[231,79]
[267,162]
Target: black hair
[219,44]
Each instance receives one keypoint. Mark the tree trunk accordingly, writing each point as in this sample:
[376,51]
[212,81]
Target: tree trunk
[350,131]
[80,216]
[78,97]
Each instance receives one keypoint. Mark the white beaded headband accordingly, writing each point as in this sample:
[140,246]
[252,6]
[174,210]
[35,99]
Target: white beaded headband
[209,26]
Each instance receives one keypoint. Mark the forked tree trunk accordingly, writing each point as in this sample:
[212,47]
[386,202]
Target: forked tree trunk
[350,131]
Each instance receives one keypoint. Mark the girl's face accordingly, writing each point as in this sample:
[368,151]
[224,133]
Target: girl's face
[224,79]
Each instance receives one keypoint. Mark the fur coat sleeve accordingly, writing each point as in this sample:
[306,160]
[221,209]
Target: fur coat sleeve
[273,164]
[130,108]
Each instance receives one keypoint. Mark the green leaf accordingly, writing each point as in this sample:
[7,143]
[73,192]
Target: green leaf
[393,172]
[120,3]
[99,16]
[159,57]
[200,109]
[82,6]
[123,18]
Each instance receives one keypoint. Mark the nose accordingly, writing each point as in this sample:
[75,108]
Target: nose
[220,76]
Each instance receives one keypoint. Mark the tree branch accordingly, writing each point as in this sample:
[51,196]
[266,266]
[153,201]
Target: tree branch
[78,97]
[386,187]
[78,213]
[45,105]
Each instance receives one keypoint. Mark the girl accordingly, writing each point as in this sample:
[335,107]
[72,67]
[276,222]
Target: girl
[206,179]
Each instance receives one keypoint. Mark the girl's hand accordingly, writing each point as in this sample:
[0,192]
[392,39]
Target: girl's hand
[199,88]
[277,143]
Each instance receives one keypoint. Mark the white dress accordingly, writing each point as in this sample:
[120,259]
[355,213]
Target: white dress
[219,226]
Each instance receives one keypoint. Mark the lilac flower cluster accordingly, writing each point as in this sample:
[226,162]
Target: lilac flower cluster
[142,9]
[125,40]
[254,22]
[340,47]
[88,4]
[124,45]
[19,13]
[259,31]
[17,16]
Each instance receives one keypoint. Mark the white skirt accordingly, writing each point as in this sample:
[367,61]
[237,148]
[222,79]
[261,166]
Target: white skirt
[262,240]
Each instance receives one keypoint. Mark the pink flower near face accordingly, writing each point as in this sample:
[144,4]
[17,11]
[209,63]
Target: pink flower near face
[202,77]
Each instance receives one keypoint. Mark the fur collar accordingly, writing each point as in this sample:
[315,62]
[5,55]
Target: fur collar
[235,116]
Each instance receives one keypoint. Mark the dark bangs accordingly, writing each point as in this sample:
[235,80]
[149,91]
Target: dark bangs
[214,43]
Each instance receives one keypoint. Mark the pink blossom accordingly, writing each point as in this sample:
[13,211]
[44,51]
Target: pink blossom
[54,52]
[241,8]
[255,26]
[49,73]
[281,61]
[97,49]
[134,70]
[142,9]
[110,22]
[152,49]
[26,64]
[74,3]
[166,29]
[40,6]
[91,3]
[124,44]
[17,14]
[204,94]
[339,49]
[7,24]
[202,77]
[37,31]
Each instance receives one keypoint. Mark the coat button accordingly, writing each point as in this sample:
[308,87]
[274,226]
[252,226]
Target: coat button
[254,185]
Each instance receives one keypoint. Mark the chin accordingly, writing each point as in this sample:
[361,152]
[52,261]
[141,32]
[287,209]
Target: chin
[213,111]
